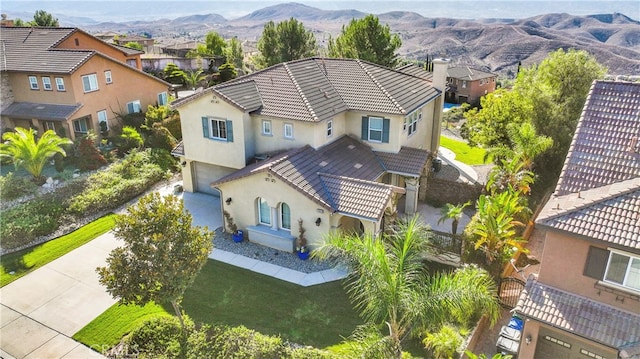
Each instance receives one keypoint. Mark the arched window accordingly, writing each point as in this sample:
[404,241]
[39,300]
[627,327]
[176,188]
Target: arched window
[285,216]
[264,212]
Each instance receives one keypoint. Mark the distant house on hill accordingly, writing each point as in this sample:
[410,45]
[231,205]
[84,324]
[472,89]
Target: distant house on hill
[468,85]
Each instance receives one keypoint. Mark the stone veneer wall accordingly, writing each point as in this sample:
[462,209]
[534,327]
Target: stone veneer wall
[441,191]
[6,96]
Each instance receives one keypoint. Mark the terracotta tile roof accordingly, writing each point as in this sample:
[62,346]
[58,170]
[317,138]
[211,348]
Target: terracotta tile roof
[579,315]
[43,111]
[317,89]
[599,153]
[468,73]
[597,195]
[339,176]
[609,213]
[408,161]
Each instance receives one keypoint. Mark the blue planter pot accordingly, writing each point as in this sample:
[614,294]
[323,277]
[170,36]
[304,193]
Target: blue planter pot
[303,255]
[238,236]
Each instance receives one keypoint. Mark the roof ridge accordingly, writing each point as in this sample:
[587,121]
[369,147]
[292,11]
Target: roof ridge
[613,190]
[384,91]
[299,90]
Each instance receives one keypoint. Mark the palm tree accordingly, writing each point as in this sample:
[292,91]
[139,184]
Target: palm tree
[392,289]
[193,78]
[453,212]
[526,144]
[23,149]
[510,174]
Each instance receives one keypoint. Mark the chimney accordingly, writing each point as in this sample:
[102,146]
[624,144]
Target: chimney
[440,67]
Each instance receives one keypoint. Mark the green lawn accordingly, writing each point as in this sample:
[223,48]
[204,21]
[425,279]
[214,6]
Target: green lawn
[30,259]
[223,294]
[464,153]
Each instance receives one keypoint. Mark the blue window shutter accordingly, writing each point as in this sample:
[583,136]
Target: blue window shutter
[385,130]
[130,107]
[229,131]
[205,127]
[365,128]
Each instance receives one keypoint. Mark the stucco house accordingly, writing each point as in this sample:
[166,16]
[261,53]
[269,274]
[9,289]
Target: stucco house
[585,301]
[333,142]
[66,80]
[466,84]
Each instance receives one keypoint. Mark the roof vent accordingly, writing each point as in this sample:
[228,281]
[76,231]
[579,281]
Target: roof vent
[351,147]
[358,165]
[323,163]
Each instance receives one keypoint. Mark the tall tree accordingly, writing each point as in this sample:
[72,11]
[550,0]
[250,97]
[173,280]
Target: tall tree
[234,52]
[31,154]
[524,145]
[391,288]
[368,40]
[43,18]
[161,256]
[215,44]
[286,41]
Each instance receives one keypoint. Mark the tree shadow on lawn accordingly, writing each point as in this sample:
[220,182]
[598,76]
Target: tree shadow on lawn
[320,315]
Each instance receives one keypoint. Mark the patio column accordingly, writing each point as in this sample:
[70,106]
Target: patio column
[411,196]
[274,218]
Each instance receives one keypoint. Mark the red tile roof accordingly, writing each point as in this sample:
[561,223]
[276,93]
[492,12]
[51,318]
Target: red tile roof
[579,315]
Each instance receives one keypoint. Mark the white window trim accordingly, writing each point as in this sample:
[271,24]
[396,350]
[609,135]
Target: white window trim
[260,199]
[370,129]
[281,224]
[626,274]
[134,103]
[267,129]
[78,122]
[411,122]
[215,122]
[60,84]
[90,77]
[33,83]
[105,120]
[288,125]
[330,128]
[107,77]
[45,83]
[49,125]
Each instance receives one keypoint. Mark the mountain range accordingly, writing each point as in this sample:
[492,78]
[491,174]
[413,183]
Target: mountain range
[495,45]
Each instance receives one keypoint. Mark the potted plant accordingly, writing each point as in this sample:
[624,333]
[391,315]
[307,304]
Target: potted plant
[301,242]
[231,226]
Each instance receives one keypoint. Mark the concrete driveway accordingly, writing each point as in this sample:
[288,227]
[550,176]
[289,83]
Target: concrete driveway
[43,310]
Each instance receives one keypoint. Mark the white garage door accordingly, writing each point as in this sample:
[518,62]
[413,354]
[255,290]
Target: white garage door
[204,175]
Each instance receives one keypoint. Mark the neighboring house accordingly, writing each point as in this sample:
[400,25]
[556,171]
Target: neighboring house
[466,84]
[585,302]
[333,142]
[122,40]
[66,80]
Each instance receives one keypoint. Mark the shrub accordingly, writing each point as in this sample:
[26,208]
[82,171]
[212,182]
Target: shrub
[173,125]
[12,187]
[117,184]
[164,159]
[311,353]
[241,342]
[444,343]
[24,223]
[89,157]
[161,138]
[129,140]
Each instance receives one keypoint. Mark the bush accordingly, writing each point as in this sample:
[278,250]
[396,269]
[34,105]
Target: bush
[117,184]
[161,138]
[241,342]
[173,125]
[129,140]
[24,223]
[12,187]
[89,157]
[444,343]
[164,159]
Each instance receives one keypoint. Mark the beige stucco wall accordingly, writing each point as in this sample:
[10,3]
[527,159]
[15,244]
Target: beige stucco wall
[202,149]
[303,134]
[353,127]
[23,92]
[567,255]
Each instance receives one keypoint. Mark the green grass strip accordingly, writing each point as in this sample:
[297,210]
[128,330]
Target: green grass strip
[223,294]
[108,328]
[464,153]
[27,260]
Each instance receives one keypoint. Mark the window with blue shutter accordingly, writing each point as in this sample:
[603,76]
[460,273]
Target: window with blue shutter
[365,128]
[375,129]
[217,129]
[385,130]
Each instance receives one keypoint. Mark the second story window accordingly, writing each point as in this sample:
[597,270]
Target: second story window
[33,82]
[133,106]
[46,83]
[60,84]
[107,77]
[288,130]
[464,84]
[90,83]
[329,128]
[266,128]
[411,122]
[623,270]
[217,129]
[375,129]
[162,99]
[102,118]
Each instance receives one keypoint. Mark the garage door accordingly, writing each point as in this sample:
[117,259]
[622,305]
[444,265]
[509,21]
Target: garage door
[554,344]
[204,175]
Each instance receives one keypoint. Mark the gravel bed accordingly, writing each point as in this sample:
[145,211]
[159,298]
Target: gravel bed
[223,241]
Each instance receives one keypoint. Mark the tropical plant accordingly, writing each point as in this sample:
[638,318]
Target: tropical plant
[453,212]
[444,343]
[510,174]
[25,151]
[301,240]
[193,78]
[391,288]
[368,40]
[161,256]
[525,145]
